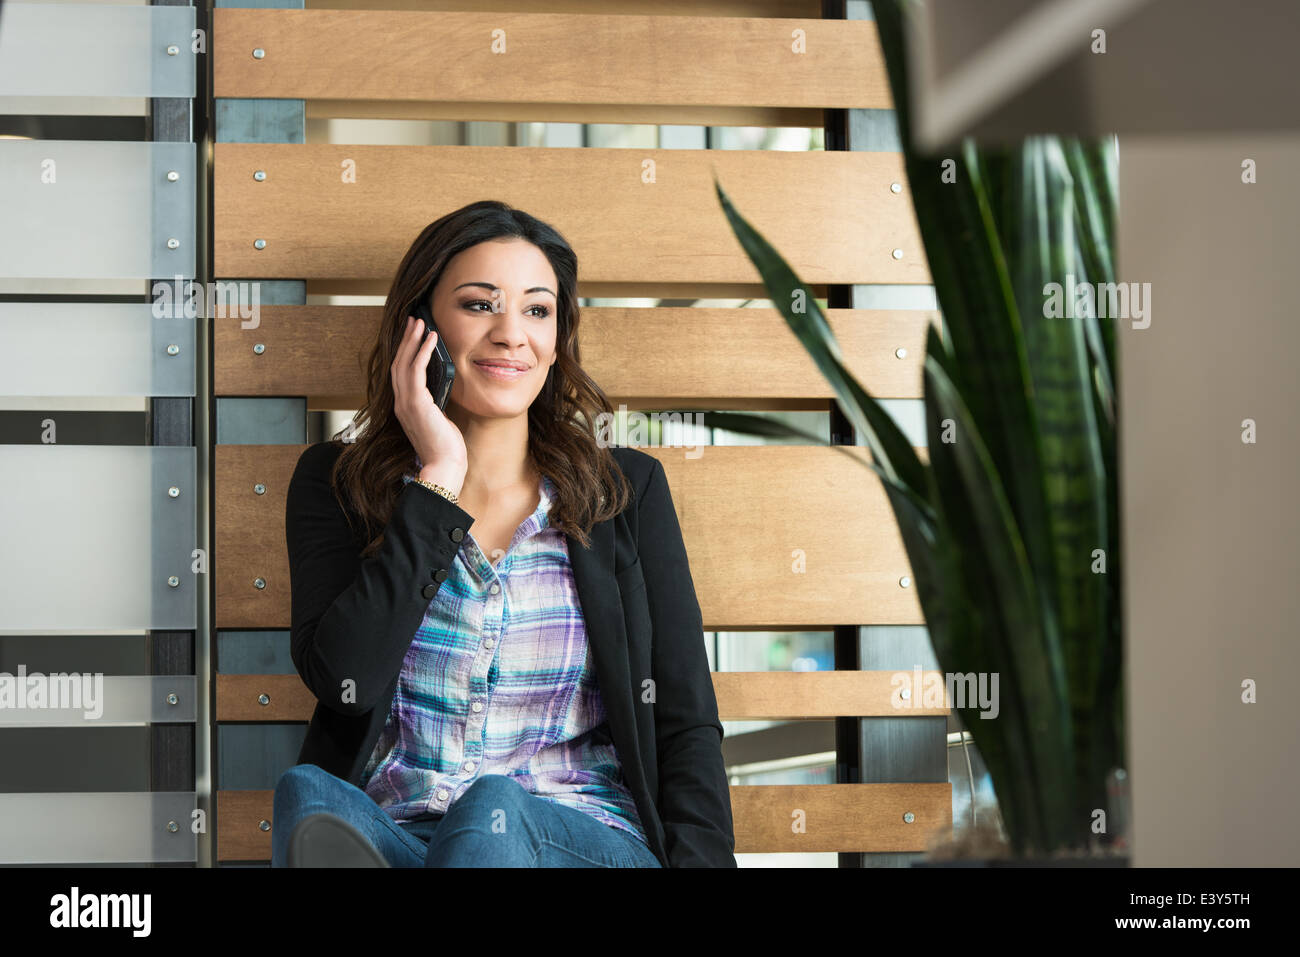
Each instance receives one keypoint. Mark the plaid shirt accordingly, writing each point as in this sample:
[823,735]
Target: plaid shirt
[499,680]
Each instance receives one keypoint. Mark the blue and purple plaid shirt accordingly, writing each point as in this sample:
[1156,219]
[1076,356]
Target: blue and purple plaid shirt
[499,680]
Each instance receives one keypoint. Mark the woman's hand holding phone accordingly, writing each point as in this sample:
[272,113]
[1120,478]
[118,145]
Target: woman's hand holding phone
[435,438]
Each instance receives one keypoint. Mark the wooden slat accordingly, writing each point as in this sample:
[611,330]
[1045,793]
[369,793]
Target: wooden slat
[792,695]
[742,696]
[849,818]
[250,541]
[810,9]
[579,112]
[239,816]
[834,218]
[778,536]
[789,537]
[548,58]
[320,352]
[288,699]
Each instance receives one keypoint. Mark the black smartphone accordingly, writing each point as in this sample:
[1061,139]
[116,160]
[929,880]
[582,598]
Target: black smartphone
[442,371]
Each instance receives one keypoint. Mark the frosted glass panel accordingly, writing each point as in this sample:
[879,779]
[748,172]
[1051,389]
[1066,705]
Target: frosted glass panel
[90,537]
[93,349]
[106,827]
[79,209]
[95,50]
[80,699]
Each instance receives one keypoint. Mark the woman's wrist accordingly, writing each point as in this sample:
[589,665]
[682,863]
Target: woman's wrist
[450,478]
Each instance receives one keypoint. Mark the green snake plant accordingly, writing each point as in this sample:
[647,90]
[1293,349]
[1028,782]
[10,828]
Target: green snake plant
[1011,527]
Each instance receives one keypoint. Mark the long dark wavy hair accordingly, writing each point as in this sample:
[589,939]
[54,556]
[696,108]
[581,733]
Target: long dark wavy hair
[589,485]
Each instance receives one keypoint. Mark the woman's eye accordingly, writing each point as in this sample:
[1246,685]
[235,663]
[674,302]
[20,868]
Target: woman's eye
[545,311]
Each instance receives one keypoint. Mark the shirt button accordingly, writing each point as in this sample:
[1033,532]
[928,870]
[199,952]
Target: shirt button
[488,642]
[440,574]
[476,706]
[428,591]
[457,534]
[469,765]
[442,795]
[495,588]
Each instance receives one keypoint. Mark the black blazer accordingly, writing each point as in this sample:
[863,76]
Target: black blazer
[355,619]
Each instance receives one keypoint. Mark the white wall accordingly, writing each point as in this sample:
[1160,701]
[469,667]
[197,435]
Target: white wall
[1211,526]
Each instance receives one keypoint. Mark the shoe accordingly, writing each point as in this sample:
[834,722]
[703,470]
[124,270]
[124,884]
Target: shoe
[326,840]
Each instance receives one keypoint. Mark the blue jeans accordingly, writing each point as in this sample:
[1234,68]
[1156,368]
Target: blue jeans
[495,823]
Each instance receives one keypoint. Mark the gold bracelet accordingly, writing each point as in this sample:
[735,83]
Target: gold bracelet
[448,494]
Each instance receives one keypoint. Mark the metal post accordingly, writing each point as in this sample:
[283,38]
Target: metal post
[170,421]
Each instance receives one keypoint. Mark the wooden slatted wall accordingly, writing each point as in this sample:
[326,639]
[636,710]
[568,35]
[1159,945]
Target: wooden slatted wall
[833,215]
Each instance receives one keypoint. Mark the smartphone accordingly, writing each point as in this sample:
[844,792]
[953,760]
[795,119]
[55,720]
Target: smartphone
[442,371]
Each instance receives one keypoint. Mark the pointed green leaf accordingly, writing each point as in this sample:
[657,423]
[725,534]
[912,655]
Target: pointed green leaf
[794,300]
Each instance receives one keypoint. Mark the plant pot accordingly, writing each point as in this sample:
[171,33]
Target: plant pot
[985,845]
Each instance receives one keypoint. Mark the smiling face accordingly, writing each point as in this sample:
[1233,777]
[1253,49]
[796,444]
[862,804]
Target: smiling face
[495,307]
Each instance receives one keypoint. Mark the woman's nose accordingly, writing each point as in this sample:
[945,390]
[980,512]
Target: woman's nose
[509,327]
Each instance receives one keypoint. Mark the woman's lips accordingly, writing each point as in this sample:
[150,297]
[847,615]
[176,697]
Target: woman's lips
[502,373]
